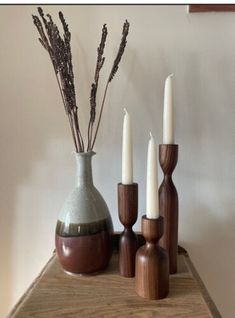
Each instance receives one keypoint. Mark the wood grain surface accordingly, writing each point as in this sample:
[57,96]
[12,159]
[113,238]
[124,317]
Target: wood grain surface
[152,262]
[55,294]
[127,212]
[168,202]
[196,8]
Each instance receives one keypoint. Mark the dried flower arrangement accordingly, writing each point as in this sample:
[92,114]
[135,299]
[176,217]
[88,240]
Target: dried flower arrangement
[59,50]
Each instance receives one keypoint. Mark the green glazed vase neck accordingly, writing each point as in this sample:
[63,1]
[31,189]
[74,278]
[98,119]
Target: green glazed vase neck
[84,168]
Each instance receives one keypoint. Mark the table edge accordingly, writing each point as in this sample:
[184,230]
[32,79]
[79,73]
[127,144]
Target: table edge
[205,294]
[27,293]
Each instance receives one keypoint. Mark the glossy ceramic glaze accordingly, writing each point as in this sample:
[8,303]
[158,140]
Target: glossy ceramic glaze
[84,227]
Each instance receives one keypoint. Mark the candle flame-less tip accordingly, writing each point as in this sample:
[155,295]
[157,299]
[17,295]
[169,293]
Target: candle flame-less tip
[125,111]
[150,134]
[171,75]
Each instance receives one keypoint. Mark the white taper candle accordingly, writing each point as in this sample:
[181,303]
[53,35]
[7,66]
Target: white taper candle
[152,201]
[168,120]
[127,152]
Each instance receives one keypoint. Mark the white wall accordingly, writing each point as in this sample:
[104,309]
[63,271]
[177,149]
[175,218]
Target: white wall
[37,168]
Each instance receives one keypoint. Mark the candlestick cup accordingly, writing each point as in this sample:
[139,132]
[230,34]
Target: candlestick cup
[128,210]
[168,201]
[152,263]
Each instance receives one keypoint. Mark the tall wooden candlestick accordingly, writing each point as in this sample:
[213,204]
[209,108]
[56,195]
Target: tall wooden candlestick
[152,263]
[128,211]
[168,202]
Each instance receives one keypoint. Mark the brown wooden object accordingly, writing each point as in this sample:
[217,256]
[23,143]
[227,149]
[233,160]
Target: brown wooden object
[197,8]
[168,201]
[128,211]
[152,263]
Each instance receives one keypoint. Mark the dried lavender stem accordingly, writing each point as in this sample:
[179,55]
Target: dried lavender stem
[76,143]
[89,136]
[76,125]
[114,69]
[73,134]
[100,115]
[59,50]
[76,137]
[70,119]
[90,133]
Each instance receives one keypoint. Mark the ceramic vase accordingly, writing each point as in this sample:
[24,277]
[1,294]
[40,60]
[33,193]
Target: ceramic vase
[84,227]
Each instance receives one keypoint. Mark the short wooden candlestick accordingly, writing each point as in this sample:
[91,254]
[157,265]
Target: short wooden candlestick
[168,201]
[152,263]
[128,211]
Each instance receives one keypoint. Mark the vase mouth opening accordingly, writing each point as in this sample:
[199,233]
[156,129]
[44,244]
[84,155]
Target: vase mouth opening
[84,154]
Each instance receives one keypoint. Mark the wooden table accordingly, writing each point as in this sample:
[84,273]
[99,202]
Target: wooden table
[56,294]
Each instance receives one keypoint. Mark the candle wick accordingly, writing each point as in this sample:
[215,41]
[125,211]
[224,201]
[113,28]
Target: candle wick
[171,75]
[125,111]
[151,136]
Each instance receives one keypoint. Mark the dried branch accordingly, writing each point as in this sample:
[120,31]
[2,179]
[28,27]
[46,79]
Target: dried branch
[121,50]
[94,86]
[114,69]
[59,50]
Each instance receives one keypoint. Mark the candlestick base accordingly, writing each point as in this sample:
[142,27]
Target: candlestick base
[152,263]
[168,202]
[128,210]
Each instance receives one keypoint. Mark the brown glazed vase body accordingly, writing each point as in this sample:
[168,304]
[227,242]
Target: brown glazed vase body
[84,227]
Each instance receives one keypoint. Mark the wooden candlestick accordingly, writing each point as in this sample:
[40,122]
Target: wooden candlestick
[128,211]
[152,263]
[168,202]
